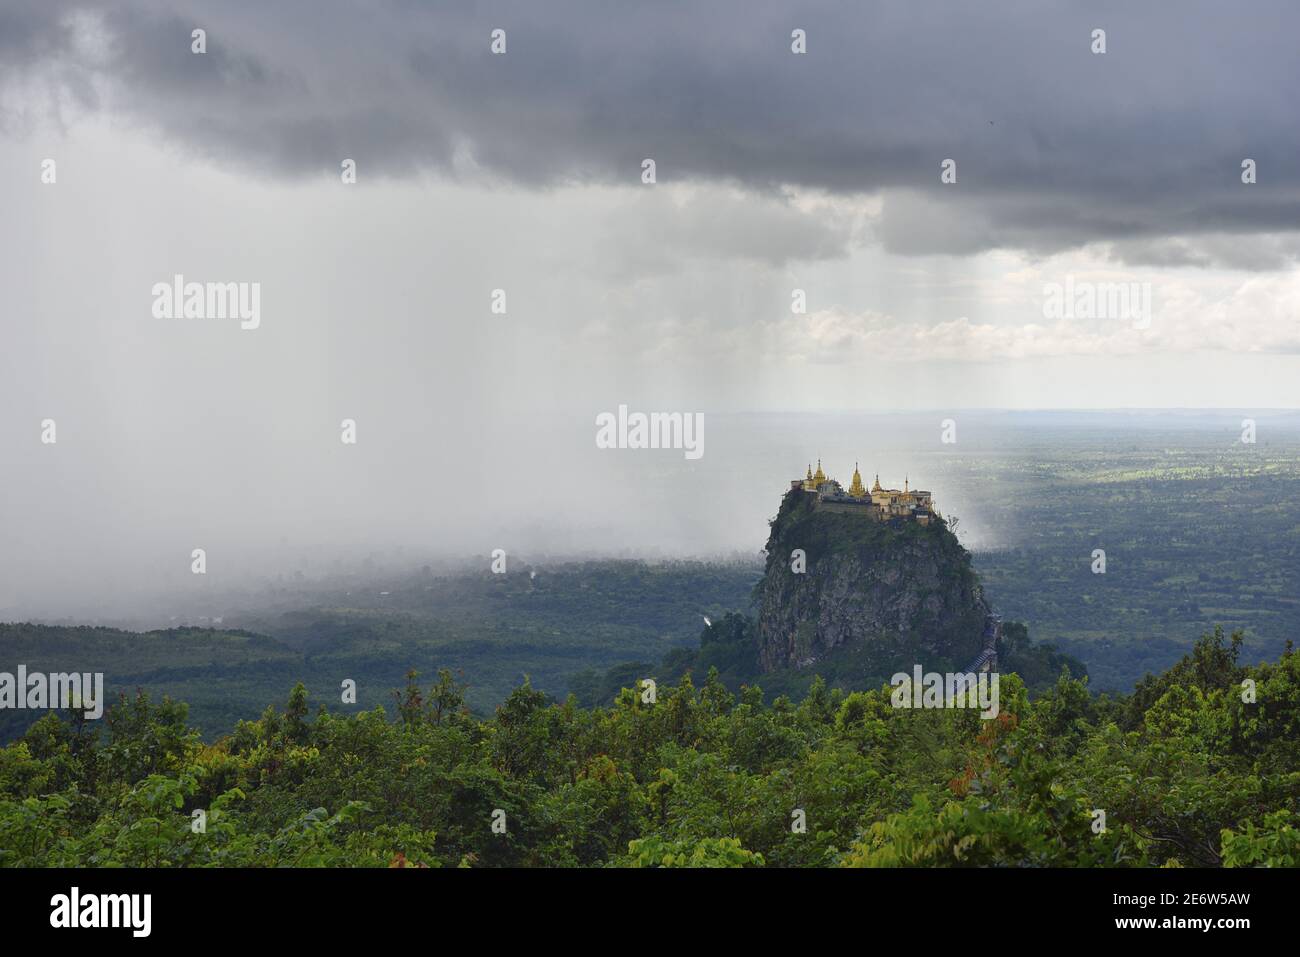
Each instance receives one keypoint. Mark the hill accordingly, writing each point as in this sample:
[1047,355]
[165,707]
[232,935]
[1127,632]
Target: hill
[847,601]
[902,590]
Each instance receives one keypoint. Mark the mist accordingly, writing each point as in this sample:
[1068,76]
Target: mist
[499,276]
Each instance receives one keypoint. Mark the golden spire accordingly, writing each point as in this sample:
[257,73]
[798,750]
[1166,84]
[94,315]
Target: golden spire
[819,476]
[856,489]
[810,471]
[876,487]
[904,483]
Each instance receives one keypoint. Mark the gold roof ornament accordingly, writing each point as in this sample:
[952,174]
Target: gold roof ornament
[857,490]
[819,476]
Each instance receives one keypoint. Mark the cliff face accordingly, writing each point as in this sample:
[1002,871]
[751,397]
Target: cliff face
[904,593]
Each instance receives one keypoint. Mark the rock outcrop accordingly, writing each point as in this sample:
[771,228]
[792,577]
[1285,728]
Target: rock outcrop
[903,592]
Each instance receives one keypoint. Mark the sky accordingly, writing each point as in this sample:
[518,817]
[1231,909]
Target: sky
[778,176]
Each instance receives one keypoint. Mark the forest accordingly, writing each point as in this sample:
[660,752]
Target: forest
[1199,766]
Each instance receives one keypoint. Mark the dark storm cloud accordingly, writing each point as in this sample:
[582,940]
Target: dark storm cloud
[1055,145]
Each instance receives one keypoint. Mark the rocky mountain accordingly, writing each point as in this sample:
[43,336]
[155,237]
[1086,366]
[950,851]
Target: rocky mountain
[898,591]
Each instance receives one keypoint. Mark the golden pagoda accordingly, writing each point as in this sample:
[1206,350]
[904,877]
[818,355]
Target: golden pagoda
[857,489]
[879,504]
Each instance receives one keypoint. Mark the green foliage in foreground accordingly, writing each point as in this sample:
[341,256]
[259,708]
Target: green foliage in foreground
[1185,771]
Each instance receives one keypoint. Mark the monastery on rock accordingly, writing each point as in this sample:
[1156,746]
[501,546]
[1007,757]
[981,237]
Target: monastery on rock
[881,504]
